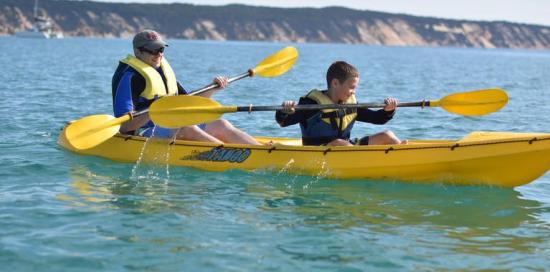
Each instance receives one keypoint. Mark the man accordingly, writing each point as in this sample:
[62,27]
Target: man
[333,127]
[146,76]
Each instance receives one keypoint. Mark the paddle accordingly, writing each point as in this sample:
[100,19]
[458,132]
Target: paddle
[178,111]
[92,130]
[272,66]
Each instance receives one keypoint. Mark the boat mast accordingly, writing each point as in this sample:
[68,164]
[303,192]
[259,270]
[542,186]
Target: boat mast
[35,10]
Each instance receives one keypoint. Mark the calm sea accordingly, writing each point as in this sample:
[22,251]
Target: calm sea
[65,212]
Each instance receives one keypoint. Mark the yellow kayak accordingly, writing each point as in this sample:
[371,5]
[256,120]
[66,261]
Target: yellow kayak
[489,158]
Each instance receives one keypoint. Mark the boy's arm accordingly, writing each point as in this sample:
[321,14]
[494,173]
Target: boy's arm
[290,119]
[377,117]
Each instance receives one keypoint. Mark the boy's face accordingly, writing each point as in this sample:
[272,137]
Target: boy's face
[344,90]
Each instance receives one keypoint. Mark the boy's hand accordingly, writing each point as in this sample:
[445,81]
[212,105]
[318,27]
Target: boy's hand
[391,104]
[288,107]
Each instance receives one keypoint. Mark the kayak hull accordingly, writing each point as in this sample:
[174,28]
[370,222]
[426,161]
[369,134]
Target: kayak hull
[488,158]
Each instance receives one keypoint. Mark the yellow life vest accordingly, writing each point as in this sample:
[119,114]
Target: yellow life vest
[154,85]
[345,117]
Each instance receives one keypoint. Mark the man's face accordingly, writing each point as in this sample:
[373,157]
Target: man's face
[151,57]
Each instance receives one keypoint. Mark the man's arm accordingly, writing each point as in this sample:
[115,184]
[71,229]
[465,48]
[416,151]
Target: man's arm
[123,104]
[222,83]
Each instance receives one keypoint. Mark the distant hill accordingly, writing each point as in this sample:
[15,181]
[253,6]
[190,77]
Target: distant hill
[240,22]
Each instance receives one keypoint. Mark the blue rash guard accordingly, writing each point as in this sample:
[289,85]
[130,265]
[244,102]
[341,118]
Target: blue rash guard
[127,85]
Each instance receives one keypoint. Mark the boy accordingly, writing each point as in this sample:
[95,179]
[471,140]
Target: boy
[333,127]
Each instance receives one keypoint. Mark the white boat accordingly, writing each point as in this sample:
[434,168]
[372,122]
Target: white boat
[41,29]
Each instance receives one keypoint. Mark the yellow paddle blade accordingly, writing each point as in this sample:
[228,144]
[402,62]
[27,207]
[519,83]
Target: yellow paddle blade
[278,63]
[474,103]
[92,130]
[185,110]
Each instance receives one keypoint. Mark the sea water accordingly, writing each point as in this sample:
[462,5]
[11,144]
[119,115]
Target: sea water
[61,211]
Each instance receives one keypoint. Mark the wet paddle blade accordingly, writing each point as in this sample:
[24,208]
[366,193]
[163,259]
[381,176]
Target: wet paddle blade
[278,63]
[184,110]
[474,103]
[92,130]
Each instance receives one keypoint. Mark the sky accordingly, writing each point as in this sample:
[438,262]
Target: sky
[518,11]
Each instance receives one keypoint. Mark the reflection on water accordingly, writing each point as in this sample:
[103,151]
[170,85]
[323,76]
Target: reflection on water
[97,191]
[145,190]
[394,202]
[471,220]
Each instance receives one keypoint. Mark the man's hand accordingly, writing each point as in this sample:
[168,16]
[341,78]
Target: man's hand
[221,81]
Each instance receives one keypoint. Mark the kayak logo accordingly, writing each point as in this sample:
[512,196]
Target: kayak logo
[220,154]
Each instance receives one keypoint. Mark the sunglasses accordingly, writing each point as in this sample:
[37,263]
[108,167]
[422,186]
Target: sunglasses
[155,52]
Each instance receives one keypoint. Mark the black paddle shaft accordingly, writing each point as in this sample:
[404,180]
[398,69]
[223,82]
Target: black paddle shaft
[332,106]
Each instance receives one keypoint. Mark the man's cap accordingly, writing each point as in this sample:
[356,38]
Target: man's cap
[148,39]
